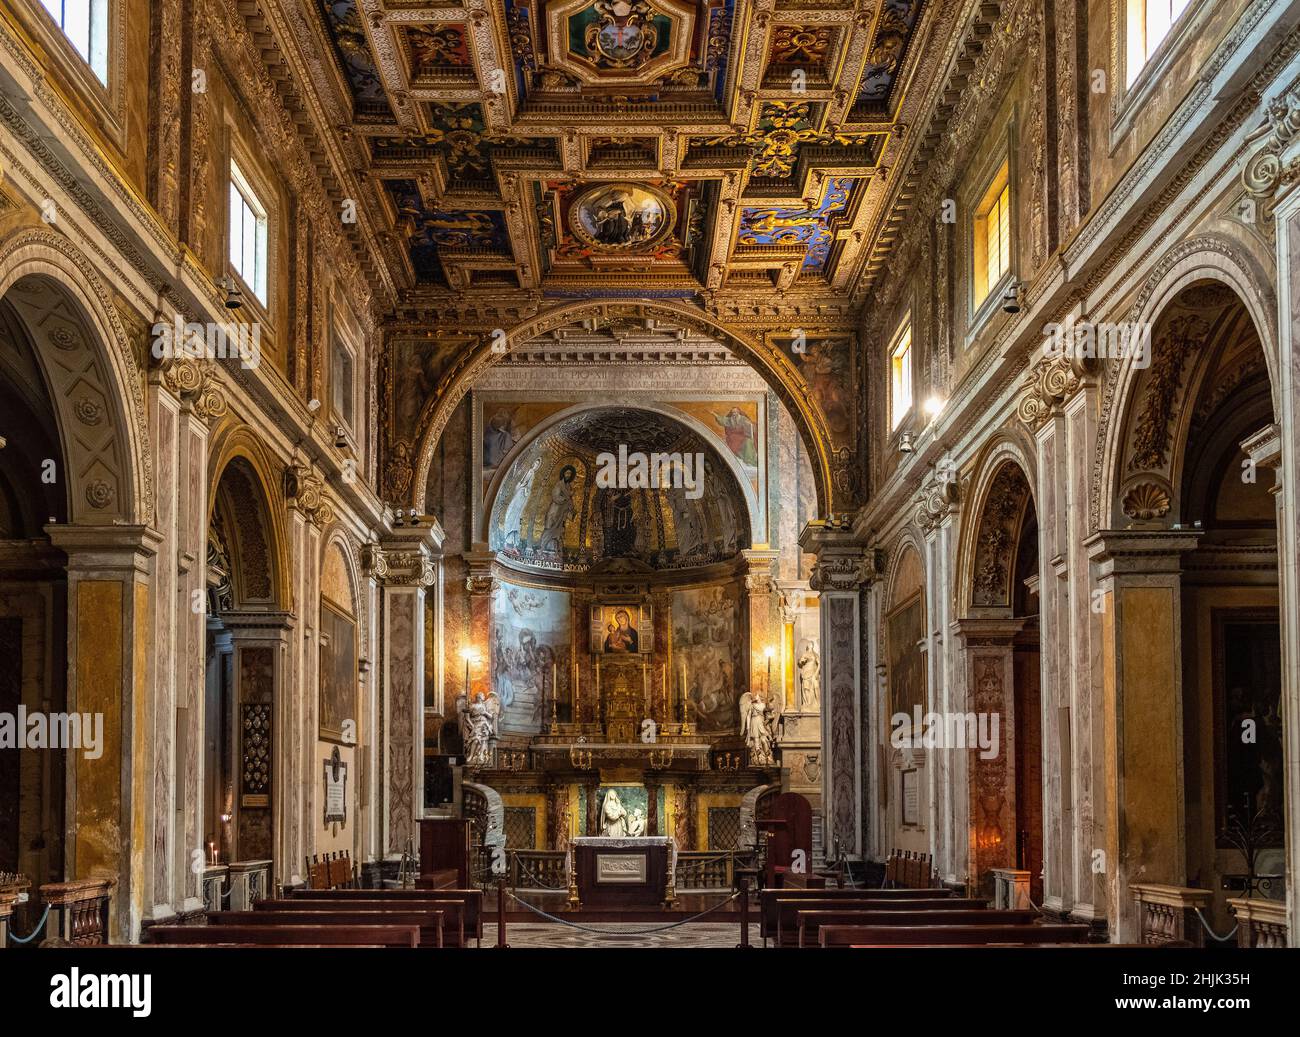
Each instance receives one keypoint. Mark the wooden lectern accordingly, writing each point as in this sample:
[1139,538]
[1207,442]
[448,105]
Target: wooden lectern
[444,853]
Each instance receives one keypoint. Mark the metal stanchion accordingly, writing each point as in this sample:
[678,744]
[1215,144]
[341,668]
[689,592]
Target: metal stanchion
[501,913]
[744,914]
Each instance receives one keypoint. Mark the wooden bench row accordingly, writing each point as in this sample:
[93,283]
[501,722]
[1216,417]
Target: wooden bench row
[341,917]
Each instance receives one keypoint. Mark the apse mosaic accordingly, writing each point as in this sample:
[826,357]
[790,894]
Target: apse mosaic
[550,513]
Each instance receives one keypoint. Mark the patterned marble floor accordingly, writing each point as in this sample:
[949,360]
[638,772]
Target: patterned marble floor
[553,934]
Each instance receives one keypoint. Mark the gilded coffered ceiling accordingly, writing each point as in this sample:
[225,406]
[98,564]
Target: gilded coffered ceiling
[599,148]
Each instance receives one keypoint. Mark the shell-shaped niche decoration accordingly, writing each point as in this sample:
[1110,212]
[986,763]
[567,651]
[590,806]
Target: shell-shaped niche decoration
[1146,502]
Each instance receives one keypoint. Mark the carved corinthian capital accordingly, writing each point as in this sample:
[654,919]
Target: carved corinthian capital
[937,500]
[305,490]
[195,383]
[1049,383]
[1275,165]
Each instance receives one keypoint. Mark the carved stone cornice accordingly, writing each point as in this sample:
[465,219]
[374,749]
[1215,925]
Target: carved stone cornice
[1050,382]
[757,567]
[843,564]
[410,557]
[480,577]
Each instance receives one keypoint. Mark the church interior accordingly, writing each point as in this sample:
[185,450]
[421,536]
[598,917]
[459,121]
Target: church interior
[649,473]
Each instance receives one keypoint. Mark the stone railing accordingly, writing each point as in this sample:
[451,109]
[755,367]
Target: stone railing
[249,881]
[1011,889]
[213,885]
[539,869]
[1167,914]
[78,910]
[706,869]
[1260,923]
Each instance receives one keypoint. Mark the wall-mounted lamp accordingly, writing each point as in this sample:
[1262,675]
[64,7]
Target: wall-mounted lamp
[905,443]
[234,297]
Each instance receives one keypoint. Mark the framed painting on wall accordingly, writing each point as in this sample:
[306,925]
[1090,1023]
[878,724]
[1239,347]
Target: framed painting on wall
[622,629]
[338,676]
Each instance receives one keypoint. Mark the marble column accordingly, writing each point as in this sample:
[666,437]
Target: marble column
[1266,176]
[263,824]
[947,774]
[987,651]
[413,562]
[480,582]
[1058,403]
[800,737]
[842,569]
[1141,663]
[110,639]
[757,568]
[184,396]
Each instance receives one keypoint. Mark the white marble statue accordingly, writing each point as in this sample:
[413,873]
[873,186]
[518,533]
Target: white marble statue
[757,728]
[636,823]
[478,727]
[613,816]
[810,668]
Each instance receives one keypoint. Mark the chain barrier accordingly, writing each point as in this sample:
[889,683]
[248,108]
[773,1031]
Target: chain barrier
[540,880]
[40,927]
[1211,933]
[621,932]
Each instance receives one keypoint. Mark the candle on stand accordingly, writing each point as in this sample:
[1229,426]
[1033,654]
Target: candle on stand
[685,695]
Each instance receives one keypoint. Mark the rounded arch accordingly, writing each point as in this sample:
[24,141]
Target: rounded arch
[238,454]
[832,469]
[91,373]
[898,571]
[336,540]
[757,521]
[1207,258]
[996,487]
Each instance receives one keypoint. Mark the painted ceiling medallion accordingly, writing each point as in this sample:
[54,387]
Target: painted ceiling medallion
[622,217]
[604,41]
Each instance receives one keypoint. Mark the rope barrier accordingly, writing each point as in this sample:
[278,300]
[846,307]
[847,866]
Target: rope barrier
[537,877]
[1211,933]
[622,932]
[40,926]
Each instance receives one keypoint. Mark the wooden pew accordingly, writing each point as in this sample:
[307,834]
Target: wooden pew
[444,878]
[768,897]
[471,898]
[807,923]
[453,911]
[939,935]
[430,922]
[785,910]
[285,935]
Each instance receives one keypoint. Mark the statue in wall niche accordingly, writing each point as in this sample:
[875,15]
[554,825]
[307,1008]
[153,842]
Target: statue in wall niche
[810,669]
[478,727]
[757,728]
[613,816]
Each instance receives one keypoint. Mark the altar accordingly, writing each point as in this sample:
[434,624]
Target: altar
[632,871]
